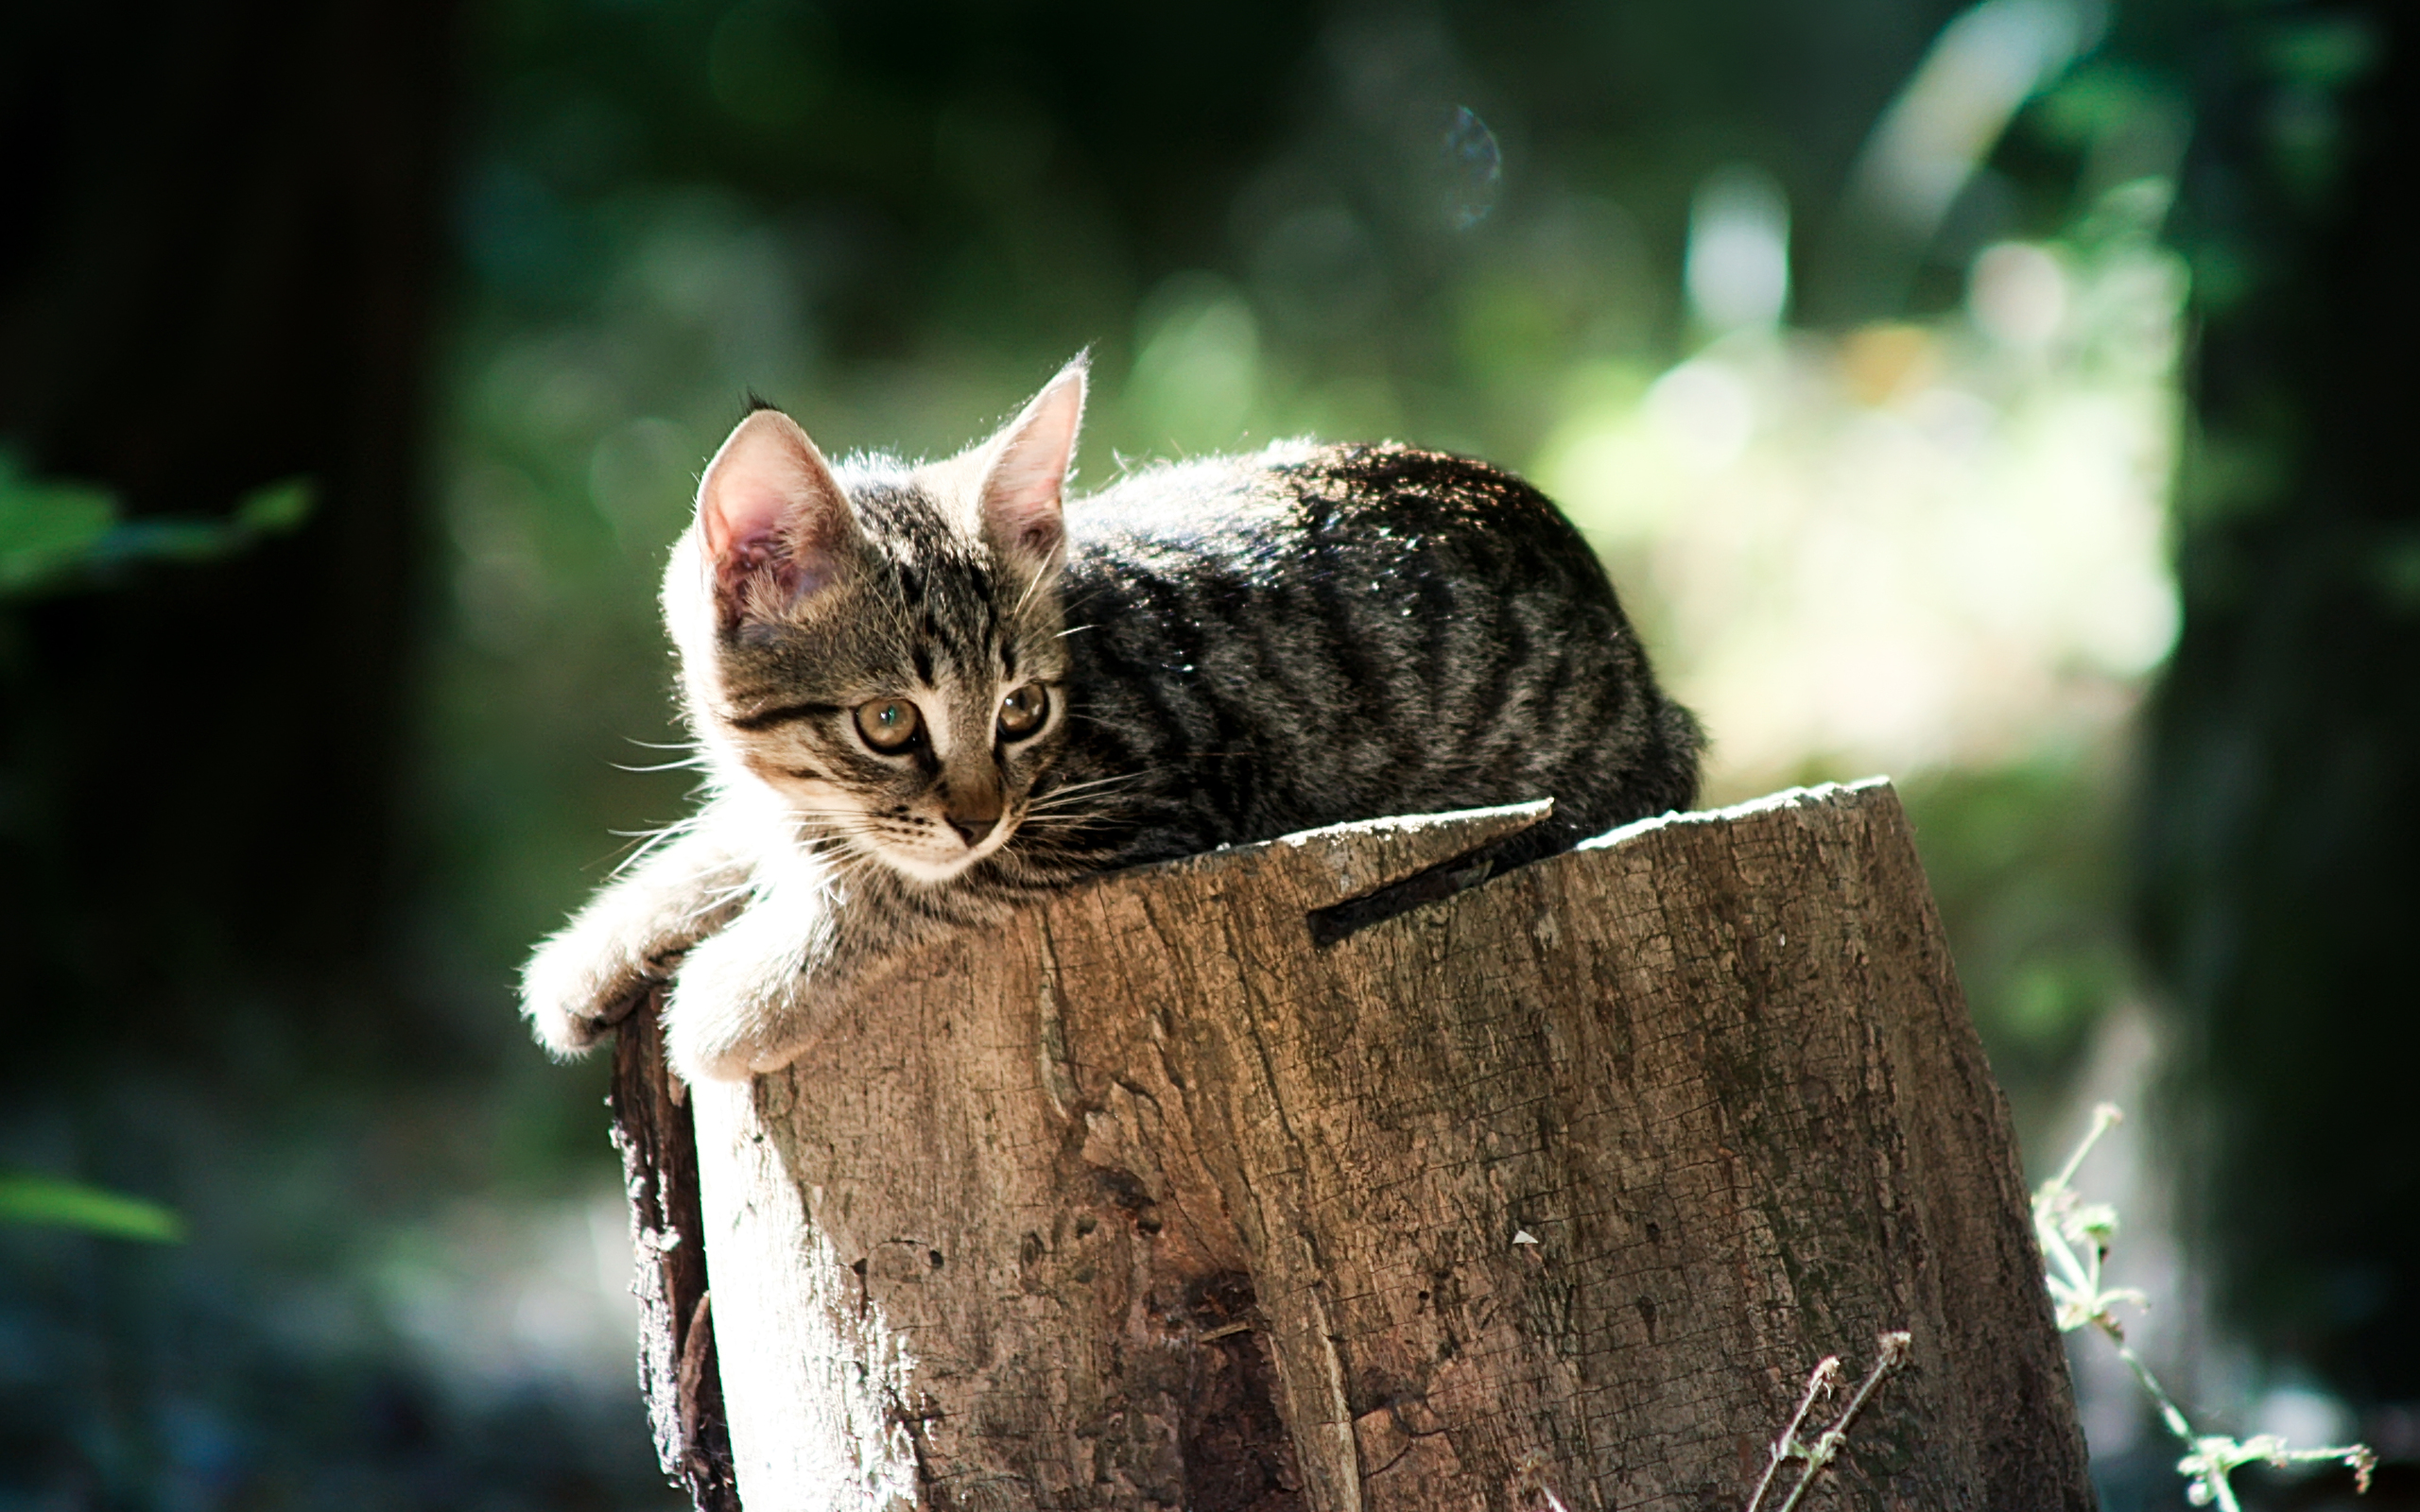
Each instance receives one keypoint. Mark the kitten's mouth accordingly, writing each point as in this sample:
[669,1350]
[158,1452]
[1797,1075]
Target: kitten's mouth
[947,857]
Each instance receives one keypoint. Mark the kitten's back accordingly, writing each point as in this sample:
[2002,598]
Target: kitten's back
[1312,635]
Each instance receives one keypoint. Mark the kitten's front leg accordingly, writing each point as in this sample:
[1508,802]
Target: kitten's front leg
[749,999]
[583,980]
[743,1000]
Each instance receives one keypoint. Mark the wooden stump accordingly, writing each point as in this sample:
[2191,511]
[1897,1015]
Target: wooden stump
[1193,1189]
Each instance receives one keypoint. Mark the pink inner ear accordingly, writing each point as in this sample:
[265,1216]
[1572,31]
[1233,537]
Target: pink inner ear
[771,516]
[1021,501]
[1039,540]
[1022,493]
[743,521]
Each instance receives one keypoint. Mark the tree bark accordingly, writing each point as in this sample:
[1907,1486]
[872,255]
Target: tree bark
[677,1365]
[1190,1189]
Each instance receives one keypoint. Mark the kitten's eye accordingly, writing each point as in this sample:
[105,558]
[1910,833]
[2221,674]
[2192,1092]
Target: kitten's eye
[1023,710]
[888,724]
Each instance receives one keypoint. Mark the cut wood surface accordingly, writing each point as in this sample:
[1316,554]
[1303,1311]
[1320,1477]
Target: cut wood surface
[1191,1189]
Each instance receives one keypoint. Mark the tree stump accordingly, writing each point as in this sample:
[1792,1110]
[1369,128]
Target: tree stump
[1333,1173]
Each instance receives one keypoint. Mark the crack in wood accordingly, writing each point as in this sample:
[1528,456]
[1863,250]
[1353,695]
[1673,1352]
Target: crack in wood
[1434,884]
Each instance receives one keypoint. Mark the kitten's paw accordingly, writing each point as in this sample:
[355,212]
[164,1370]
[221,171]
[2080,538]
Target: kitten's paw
[573,993]
[708,1053]
[730,1013]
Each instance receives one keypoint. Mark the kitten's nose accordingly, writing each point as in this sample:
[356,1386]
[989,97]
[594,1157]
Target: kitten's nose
[972,833]
[973,814]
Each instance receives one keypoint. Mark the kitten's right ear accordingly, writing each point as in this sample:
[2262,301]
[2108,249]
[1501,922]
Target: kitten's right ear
[775,525]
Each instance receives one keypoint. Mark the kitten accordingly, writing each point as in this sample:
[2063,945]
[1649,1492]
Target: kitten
[923,695]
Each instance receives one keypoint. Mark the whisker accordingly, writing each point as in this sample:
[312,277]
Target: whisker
[648,841]
[1103,782]
[1053,802]
[1032,585]
[693,763]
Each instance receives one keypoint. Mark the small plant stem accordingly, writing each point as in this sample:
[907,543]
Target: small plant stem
[1893,1354]
[1822,1376]
[2169,1413]
[2105,1116]
[2209,1459]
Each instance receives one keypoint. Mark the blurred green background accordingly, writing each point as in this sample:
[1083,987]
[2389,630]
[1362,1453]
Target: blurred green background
[2007,397]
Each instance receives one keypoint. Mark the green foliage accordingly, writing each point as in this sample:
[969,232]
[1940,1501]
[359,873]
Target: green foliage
[47,529]
[51,1202]
[56,535]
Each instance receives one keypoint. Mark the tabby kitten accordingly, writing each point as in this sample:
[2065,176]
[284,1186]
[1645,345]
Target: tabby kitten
[924,695]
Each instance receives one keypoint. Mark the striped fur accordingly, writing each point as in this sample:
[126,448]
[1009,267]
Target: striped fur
[1235,648]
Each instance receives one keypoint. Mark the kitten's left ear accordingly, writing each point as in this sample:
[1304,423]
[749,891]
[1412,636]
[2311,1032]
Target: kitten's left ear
[1024,471]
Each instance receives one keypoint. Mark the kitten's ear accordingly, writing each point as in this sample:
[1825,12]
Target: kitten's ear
[1026,468]
[774,525]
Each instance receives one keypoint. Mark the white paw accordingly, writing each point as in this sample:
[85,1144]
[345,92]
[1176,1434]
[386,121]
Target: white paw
[575,989]
[730,1009]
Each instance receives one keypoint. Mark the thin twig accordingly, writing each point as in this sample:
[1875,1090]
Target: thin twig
[1893,1354]
[1822,1376]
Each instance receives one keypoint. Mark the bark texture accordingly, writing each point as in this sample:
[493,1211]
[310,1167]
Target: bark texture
[1548,1189]
[677,1366]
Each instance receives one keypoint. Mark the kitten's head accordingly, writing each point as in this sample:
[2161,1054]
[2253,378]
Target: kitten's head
[877,645]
